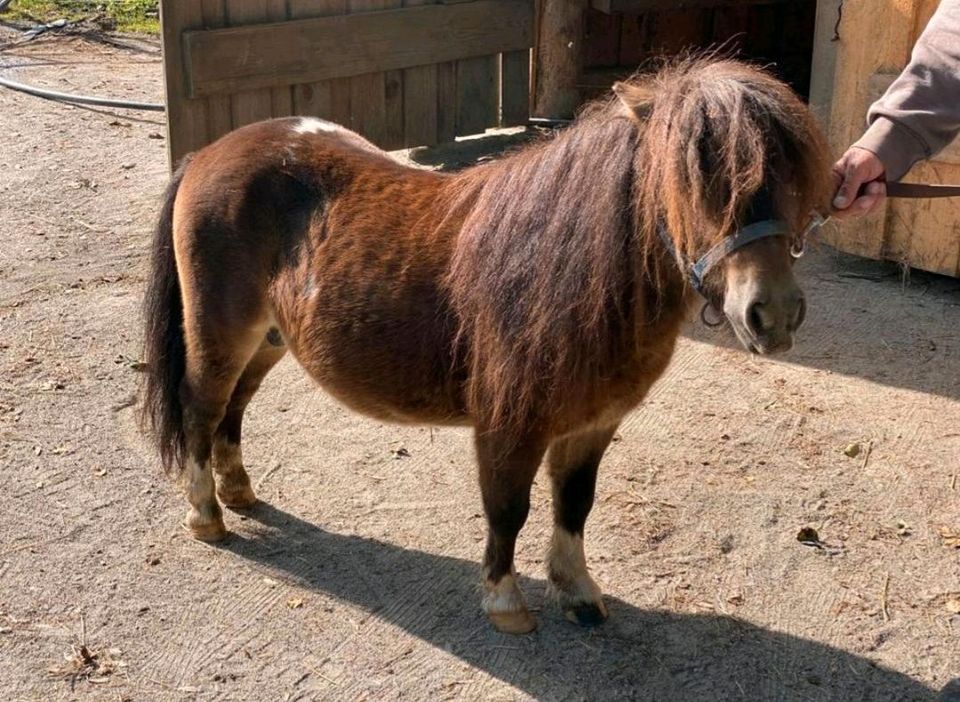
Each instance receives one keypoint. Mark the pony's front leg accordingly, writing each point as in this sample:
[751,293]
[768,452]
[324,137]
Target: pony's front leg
[507,469]
[573,464]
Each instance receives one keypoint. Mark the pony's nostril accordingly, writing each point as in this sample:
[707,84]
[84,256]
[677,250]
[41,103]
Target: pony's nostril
[755,318]
[800,314]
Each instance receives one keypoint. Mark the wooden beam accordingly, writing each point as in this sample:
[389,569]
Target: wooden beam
[635,6]
[309,50]
[558,57]
[514,88]
[823,64]
[186,119]
[874,38]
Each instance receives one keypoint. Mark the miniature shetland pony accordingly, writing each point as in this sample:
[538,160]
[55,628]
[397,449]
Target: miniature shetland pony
[535,298]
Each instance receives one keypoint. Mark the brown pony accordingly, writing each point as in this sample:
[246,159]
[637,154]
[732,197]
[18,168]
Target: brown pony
[536,298]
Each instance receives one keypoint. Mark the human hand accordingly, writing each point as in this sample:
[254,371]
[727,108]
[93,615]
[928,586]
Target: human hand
[856,168]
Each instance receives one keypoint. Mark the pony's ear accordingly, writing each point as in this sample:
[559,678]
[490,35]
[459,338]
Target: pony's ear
[638,99]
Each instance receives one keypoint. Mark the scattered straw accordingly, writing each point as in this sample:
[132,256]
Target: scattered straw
[84,663]
[866,455]
[883,598]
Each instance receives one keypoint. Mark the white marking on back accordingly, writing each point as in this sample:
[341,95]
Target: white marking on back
[314,125]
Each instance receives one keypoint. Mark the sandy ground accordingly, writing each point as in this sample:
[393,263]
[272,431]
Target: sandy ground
[357,576]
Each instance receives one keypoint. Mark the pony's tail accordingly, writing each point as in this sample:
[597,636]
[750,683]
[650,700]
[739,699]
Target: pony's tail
[164,350]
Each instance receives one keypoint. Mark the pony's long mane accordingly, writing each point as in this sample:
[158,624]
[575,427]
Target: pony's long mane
[557,267]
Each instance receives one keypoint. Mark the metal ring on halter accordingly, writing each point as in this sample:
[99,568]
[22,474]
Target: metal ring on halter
[799,245]
[717,321]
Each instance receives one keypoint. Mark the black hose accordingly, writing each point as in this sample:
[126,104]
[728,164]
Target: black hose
[78,99]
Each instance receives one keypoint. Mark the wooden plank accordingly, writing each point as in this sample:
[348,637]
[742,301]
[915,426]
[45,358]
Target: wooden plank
[730,25]
[419,99]
[926,233]
[874,38]
[601,39]
[368,97]
[514,88]
[219,111]
[558,57]
[446,101]
[309,50]
[675,31]
[823,64]
[329,99]
[634,6]
[281,96]
[477,94]
[186,119]
[762,39]
[394,113]
[249,103]
[634,42]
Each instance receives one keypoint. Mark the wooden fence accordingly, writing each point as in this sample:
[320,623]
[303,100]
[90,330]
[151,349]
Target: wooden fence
[401,72]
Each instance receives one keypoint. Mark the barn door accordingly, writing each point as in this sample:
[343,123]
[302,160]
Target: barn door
[400,72]
[875,41]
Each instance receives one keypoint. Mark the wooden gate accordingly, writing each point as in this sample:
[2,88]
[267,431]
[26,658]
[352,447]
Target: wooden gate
[401,72]
[875,41]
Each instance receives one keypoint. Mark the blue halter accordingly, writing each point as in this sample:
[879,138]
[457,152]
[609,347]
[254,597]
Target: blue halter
[697,271]
[762,224]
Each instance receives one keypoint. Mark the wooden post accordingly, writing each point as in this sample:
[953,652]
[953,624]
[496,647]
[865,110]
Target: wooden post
[558,57]
[824,62]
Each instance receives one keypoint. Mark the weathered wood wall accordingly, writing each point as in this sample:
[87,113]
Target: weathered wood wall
[583,46]
[400,72]
[778,33]
[876,39]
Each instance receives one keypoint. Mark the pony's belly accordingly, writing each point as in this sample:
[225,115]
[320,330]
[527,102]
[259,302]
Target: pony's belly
[379,365]
[388,407]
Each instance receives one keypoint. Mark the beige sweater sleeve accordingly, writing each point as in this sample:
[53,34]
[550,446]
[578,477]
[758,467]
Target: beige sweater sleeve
[920,112]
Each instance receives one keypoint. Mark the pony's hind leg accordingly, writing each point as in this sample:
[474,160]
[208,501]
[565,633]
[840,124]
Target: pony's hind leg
[222,333]
[573,462]
[233,483]
[507,470]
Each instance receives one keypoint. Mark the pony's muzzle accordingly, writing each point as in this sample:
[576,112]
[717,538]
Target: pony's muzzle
[771,321]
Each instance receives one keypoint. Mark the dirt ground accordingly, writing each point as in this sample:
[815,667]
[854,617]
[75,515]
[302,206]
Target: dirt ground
[357,577]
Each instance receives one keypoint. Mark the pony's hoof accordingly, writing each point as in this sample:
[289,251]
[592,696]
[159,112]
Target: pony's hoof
[239,497]
[506,608]
[587,613]
[209,530]
[521,622]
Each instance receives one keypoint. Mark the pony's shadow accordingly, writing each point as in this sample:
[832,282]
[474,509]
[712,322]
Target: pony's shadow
[638,654]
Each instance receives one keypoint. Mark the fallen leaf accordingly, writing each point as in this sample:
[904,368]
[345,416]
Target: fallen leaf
[852,450]
[295,603]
